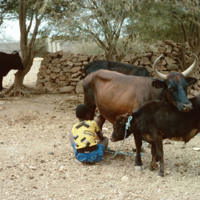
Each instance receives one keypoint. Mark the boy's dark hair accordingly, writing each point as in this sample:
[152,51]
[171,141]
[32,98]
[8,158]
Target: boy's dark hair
[81,111]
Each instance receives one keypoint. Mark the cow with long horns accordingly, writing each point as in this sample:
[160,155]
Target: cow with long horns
[115,94]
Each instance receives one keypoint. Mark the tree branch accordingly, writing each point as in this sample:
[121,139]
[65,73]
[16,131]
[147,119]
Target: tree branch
[183,27]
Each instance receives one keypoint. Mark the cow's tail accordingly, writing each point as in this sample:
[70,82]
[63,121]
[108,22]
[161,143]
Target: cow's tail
[89,98]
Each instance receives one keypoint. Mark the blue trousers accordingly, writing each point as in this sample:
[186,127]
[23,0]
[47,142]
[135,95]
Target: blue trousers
[92,157]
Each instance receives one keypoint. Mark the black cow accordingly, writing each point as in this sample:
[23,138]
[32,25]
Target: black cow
[115,66]
[155,121]
[9,62]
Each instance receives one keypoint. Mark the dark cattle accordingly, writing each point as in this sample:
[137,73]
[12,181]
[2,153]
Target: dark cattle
[156,121]
[115,94]
[7,63]
[115,66]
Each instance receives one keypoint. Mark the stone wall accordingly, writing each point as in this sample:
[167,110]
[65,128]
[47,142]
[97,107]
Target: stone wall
[63,72]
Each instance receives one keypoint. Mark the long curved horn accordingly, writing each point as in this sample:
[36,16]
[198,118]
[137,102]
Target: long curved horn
[191,68]
[160,75]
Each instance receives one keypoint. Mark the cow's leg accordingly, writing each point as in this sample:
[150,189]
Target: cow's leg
[92,111]
[153,165]
[1,81]
[138,144]
[100,121]
[159,153]
[89,101]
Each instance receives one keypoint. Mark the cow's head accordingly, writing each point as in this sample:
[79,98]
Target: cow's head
[176,85]
[17,62]
[119,128]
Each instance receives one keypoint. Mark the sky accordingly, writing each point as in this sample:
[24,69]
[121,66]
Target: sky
[11,32]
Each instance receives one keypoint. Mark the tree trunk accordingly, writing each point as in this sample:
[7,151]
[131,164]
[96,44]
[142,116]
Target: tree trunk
[19,76]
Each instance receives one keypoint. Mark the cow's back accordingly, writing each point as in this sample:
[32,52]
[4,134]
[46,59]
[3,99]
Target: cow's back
[123,68]
[94,66]
[127,69]
[115,93]
[165,117]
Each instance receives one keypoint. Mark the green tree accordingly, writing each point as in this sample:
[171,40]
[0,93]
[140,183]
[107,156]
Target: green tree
[115,24]
[162,19]
[102,21]
[31,14]
[188,17]
[7,10]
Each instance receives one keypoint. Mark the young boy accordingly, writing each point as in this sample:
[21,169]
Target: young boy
[84,136]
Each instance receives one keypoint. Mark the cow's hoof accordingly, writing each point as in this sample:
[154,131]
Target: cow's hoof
[161,174]
[153,167]
[138,168]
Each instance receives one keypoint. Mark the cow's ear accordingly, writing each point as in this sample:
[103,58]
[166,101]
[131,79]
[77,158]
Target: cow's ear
[15,52]
[159,83]
[191,80]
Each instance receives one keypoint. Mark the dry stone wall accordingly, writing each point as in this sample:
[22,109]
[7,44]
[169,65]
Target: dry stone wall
[63,72]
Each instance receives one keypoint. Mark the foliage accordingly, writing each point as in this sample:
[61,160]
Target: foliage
[156,20]
[189,20]
[87,47]
[100,21]
[116,24]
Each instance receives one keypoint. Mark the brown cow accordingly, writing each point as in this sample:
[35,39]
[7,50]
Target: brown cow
[115,94]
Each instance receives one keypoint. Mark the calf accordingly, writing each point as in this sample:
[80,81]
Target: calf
[155,121]
[9,62]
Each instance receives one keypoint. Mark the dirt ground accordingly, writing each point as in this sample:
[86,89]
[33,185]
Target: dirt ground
[37,160]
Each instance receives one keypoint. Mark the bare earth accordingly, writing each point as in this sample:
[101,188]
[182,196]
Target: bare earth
[37,160]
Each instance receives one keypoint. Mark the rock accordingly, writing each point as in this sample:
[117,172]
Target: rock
[67,89]
[138,168]
[32,167]
[170,60]
[168,49]
[70,63]
[79,87]
[127,58]
[170,42]
[172,67]
[56,69]
[30,176]
[67,69]
[161,50]
[124,178]
[78,64]
[75,69]
[167,171]
[75,75]
[145,61]
[61,169]
[83,58]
